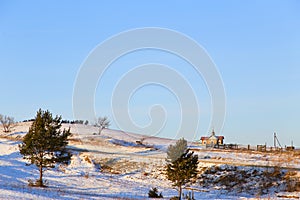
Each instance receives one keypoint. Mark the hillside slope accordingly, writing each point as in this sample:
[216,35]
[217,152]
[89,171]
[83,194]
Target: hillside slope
[114,165]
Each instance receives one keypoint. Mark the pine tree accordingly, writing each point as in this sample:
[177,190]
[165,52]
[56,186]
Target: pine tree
[45,144]
[153,193]
[175,151]
[182,170]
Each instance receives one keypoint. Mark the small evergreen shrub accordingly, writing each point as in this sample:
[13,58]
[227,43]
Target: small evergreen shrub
[153,193]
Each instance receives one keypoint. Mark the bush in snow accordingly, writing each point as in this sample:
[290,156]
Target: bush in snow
[250,180]
[153,193]
[292,182]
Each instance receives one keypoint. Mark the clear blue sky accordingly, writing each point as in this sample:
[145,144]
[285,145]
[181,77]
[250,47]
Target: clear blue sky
[254,44]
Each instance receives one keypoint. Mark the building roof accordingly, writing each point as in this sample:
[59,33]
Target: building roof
[217,137]
[212,136]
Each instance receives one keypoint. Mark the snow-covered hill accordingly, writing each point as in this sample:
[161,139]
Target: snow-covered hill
[119,165]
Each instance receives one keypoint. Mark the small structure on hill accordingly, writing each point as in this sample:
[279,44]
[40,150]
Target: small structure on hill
[212,140]
[262,148]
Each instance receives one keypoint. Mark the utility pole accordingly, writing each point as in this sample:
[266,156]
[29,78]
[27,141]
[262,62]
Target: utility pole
[275,141]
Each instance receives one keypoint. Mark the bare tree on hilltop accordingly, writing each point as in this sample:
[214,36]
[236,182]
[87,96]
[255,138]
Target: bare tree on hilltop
[7,122]
[102,123]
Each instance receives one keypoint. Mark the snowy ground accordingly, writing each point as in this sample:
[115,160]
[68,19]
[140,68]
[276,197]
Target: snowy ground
[114,166]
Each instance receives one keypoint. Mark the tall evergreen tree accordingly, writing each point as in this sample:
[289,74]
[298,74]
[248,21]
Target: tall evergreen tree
[175,151]
[182,170]
[45,143]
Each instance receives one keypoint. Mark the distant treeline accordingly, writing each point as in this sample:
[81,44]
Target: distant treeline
[85,122]
[28,120]
[64,121]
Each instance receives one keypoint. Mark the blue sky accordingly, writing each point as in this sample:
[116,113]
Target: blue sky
[254,44]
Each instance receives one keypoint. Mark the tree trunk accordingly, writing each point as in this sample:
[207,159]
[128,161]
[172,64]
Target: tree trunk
[179,192]
[100,130]
[40,183]
[5,128]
